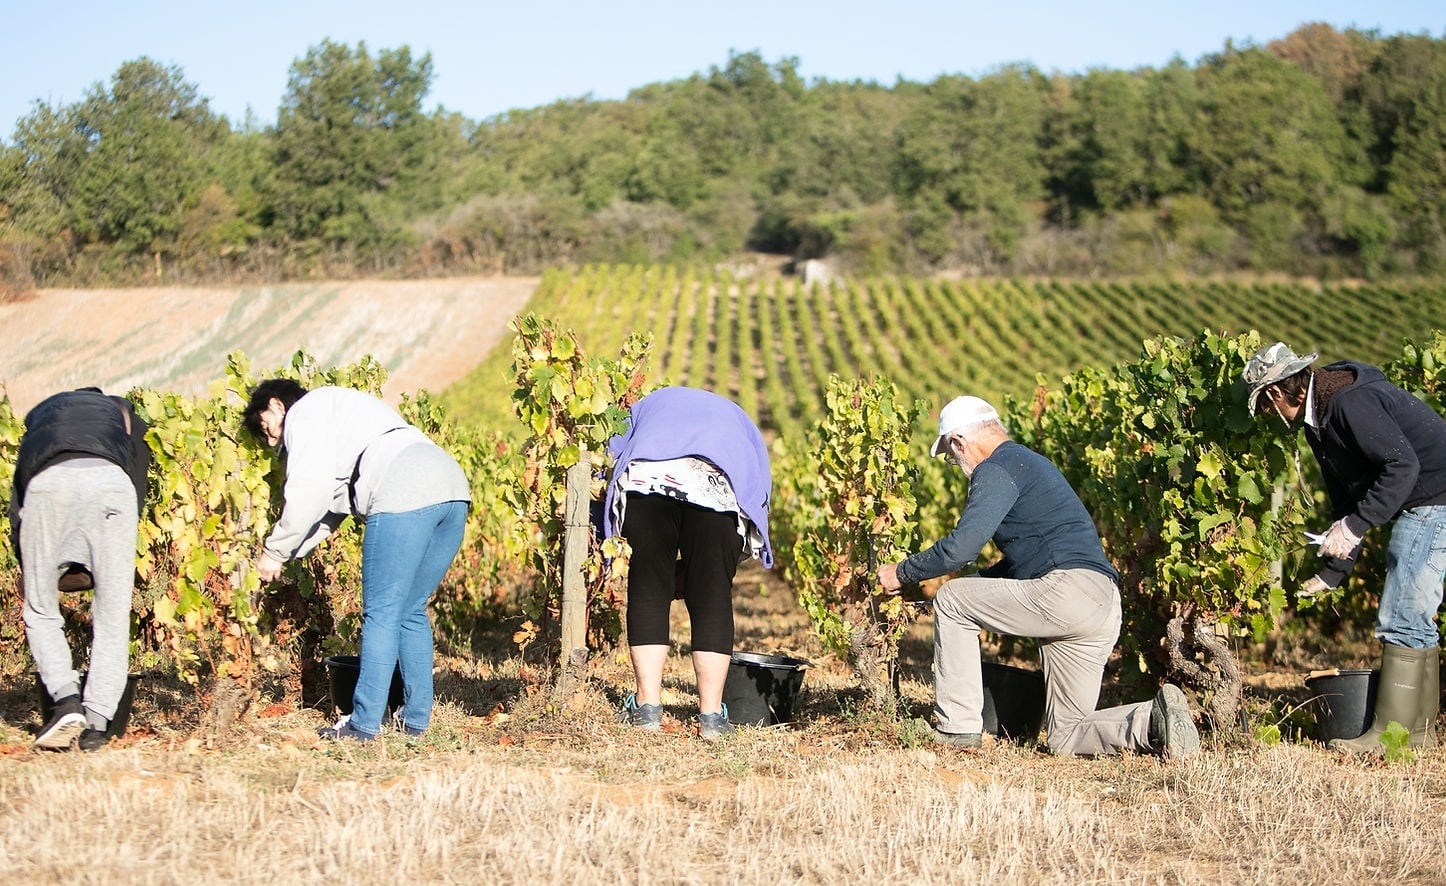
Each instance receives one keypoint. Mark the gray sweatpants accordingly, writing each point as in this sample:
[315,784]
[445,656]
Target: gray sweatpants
[81,511]
[1075,614]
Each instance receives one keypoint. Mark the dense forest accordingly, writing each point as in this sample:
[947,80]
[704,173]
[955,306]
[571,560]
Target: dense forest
[1322,153]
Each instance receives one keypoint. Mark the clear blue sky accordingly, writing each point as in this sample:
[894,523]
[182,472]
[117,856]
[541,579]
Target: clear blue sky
[489,57]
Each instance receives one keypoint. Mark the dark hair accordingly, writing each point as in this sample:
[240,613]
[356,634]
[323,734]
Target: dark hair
[1293,388]
[286,390]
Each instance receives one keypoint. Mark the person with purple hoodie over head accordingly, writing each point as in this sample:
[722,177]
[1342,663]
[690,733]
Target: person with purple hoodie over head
[690,491]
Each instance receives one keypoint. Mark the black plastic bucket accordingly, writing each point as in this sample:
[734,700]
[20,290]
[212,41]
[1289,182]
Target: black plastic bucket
[760,689]
[342,672]
[1013,701]
[118,723]
[1343,702]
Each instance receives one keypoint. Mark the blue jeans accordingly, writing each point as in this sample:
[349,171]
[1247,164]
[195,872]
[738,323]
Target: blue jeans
[1415,569]
[404,557]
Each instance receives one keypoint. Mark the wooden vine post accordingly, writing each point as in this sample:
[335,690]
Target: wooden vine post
[576,532]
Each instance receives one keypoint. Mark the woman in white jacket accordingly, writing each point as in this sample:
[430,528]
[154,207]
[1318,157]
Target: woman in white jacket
[348,452]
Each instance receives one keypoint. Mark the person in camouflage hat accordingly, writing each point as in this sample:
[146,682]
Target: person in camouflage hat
[1382,453]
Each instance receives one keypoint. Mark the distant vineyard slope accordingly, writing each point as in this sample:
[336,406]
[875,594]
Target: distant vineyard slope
[771,342]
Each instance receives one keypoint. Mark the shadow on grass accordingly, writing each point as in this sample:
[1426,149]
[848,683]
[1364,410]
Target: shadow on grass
[160,699]
[476,696]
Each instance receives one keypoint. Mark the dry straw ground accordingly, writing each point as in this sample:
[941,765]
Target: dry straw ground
[505,789]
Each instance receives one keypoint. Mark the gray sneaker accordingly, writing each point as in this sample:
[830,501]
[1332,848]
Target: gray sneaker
[1172,733]
[713,726]
[641,716]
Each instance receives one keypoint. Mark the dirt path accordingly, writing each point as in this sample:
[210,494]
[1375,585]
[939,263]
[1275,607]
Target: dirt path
[427,333]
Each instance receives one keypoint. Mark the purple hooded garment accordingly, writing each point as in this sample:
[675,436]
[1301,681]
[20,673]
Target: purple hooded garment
[678,422]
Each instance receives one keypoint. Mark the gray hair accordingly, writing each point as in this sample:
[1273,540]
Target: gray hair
[991,424]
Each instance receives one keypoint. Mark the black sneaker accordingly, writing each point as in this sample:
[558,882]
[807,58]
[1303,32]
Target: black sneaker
[1172,733]
[93,739]
[400,724]
[65,723]
[344,731]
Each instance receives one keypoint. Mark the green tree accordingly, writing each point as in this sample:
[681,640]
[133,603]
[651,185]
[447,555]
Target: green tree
[225,217]
[1106,122]
[974,147]
[350,134]
[1405,92]
[40,169]
[119,170]
[1267,134]
[147,138]
[1123,138]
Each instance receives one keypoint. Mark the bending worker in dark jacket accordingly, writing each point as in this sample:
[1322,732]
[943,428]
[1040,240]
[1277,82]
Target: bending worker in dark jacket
[1053,583]
[1382,453]
[80,482]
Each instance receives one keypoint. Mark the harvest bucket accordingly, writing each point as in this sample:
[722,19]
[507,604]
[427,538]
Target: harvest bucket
[118,723]
[342,672]
[1013,701]
[1343,701]
[760,689]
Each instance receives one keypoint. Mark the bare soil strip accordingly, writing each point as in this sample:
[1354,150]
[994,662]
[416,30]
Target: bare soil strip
[427,333]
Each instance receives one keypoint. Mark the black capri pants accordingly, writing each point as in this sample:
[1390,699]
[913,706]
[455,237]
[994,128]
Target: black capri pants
[660,530]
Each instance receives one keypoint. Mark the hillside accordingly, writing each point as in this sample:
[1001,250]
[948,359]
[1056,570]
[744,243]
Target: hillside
[427,333]
[1314,155]
[771,342]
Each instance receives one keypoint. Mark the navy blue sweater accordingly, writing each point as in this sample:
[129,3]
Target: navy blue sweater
[1381,451]
[1020,499]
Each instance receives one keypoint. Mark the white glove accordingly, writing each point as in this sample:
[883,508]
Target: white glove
[1313,585]
[1338,541]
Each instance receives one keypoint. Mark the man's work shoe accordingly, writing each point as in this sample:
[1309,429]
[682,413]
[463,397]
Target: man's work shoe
[1172,733]
[65,723]
[969,741]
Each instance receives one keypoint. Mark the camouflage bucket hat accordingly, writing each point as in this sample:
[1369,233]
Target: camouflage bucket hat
[1270,365]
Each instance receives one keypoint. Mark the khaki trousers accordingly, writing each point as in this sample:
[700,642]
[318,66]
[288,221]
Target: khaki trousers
[1075,615]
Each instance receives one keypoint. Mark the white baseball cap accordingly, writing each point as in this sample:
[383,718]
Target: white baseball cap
[958,414]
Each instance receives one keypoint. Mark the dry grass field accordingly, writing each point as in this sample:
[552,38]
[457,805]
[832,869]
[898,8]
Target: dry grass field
[507,789]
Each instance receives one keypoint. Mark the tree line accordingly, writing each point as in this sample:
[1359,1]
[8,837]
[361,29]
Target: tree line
[1315,154]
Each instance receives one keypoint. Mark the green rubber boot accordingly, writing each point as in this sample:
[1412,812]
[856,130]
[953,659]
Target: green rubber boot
[1398,699]
[1430,699]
